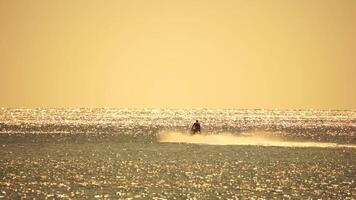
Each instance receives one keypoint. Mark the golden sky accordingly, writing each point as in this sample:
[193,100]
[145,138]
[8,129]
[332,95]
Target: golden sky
[178,53]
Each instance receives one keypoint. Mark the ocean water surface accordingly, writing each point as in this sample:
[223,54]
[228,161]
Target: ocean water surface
[150,154]
[312,125]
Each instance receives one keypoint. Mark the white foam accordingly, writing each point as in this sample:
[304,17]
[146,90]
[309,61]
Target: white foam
[256,138]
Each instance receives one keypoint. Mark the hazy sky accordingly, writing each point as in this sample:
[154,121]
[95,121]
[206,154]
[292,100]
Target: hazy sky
[178,54]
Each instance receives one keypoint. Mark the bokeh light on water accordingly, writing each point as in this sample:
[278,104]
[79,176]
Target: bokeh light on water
[114,154]
[319,125]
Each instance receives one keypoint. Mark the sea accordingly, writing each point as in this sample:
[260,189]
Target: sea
[109,153]
[312,125]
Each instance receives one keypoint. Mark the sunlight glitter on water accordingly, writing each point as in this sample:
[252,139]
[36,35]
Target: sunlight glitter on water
[319,125]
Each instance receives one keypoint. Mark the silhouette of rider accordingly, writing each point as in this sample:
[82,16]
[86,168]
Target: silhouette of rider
[196,127]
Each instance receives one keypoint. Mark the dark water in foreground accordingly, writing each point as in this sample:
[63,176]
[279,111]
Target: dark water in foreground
[115,154]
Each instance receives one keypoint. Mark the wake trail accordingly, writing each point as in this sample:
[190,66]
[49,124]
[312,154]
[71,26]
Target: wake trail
[256,138]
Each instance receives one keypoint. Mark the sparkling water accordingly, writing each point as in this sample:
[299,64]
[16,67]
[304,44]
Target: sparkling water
[318,125]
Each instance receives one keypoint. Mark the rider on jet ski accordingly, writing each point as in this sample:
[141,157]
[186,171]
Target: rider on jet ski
[196,127]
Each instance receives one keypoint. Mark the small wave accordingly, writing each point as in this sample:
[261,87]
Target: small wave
[255,138]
